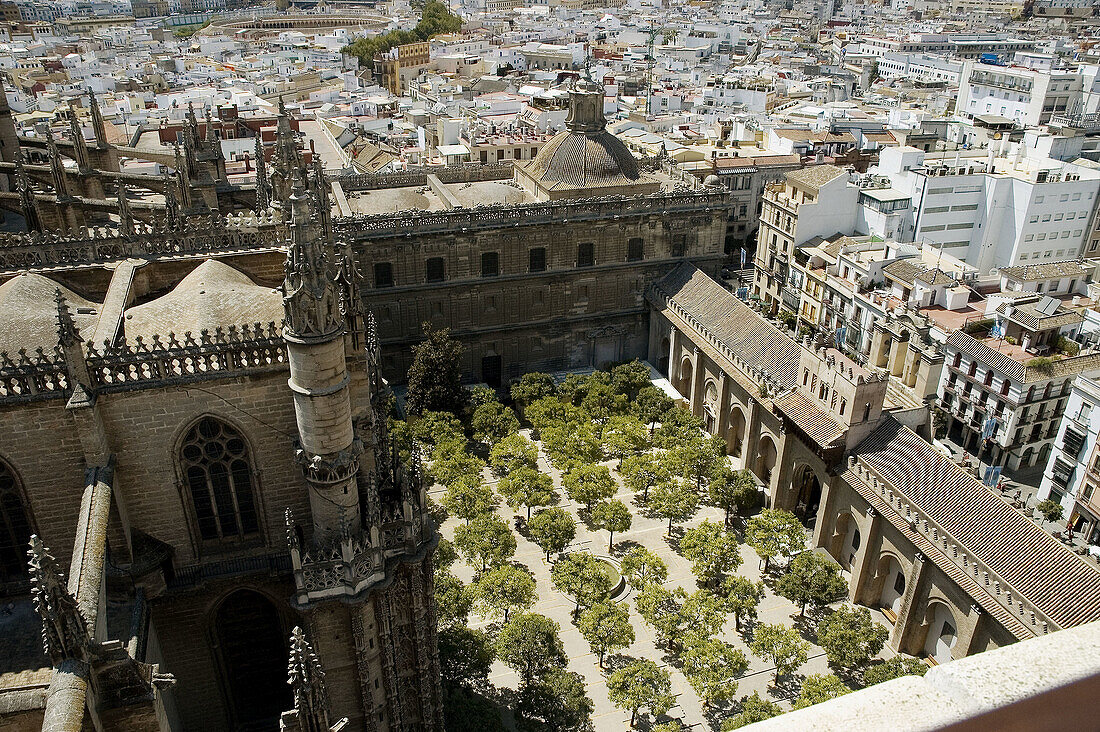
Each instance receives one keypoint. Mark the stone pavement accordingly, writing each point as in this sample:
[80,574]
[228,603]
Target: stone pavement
[649,533]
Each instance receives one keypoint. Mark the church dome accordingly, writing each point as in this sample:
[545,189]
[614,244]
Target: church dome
[585,155]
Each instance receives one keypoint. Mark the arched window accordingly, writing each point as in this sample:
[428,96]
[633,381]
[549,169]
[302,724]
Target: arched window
[15,529]
[218,473]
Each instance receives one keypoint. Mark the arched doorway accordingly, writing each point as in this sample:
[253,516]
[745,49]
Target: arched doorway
[735,435]
[662,357]
[683,384]
[15,532]
[808,488]
[252,645]
[942,632]
[893,585]
[1025,458]
[765,460]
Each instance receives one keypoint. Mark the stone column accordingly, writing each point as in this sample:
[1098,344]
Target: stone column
[749,443]
[864,561]
[824,514]
[674,356]
[911,602]
[969,633]
[723,405]
[696,395]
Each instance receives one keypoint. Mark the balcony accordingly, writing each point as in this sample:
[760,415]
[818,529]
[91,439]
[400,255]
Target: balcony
[1001,81]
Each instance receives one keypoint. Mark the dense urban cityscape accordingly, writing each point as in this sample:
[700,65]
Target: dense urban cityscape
[549,365]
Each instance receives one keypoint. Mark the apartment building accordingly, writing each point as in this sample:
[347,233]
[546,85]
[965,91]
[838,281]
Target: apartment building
[959,45]
[1073,470]
[1007,380]
[812,202]
[1026,96]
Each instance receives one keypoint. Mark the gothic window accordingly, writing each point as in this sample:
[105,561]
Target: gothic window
[538,259]
[490,264]
[679,245]
[383,274]
[586,254]
[433,270]
[218,473]
[15,529]
[635,250]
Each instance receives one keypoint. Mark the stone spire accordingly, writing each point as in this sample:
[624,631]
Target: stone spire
[57,167]
[171,202]
[310,294]
[27,200]
[210,136]
[80,146]
[586,108]
[263,184]
[98,127]
[190,139]
[288,158]
[307,680]
[64,629]
[319,186]
[125,215]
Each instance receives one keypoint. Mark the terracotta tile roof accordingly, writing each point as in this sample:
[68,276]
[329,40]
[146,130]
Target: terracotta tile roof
[1005,364]
[817,425]
[1028,315]
[1033,563]
[815,176]
[716,311]
[1044,271]
[910,270]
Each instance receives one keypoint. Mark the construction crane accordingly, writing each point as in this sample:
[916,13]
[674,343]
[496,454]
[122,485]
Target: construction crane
[667,35]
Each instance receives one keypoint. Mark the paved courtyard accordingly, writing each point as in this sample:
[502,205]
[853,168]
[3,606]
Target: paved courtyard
[650,533]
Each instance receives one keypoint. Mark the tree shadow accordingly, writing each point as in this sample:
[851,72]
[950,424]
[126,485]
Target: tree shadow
[626,545]
[715,714]
[787,687]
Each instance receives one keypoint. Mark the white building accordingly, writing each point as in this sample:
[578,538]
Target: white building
[1073,472]
[1028,97]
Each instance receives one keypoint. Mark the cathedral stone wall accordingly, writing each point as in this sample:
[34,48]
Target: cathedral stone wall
[145,428]
[40,443]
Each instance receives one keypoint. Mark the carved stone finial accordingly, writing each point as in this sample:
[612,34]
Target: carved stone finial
[263,184]
[307,680]
[64,629]
[98,127]
[67,332]
[27,200]
[80,146]
[125,215]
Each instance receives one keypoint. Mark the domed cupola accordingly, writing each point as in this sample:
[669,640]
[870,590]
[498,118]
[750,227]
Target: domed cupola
[584,160]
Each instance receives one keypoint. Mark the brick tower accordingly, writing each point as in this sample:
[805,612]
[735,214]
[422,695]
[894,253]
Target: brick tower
[365,571]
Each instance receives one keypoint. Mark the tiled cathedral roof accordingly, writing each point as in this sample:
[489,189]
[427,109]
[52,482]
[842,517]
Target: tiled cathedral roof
[1032,562]
[576,160]
[758,343]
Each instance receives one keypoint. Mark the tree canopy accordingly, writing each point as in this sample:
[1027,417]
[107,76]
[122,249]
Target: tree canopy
[850,637]
[612,516]
[452,599]
[531,387]
[894,668]
[779,645]
[606,626]
[492,422]
[818,688]
[641,684]
[588,484]
[642,567]
[465,656]
[435,377]
[556,701]
[552,529]
[741,597]
[775,533]
[583,577]
[713,551]
[485,541]
[813,579]
[753,709]
[513,453]
[529,643]
[504,588]
[435,18]
[527,487]
[467,497]
[733,490]
[674,501]
[712,667]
